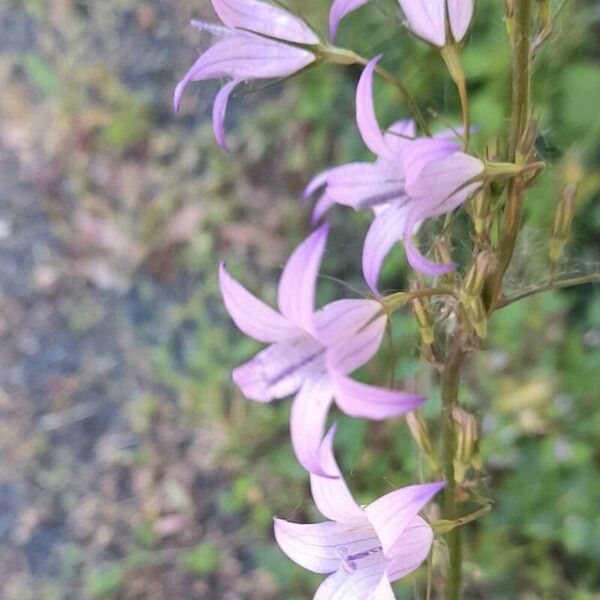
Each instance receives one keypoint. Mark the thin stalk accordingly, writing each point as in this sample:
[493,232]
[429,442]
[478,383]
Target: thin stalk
[450,386]
[521,99]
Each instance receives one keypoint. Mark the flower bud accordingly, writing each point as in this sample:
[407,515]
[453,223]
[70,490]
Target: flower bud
[420,432]
[474,279]
[562,222]
[424,321]
[479,210]
[476,315]
[467,443]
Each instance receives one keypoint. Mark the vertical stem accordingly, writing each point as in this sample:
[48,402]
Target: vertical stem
[450,385]
[521,100]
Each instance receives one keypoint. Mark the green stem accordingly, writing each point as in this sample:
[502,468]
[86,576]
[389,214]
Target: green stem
[450,385]
[521,97]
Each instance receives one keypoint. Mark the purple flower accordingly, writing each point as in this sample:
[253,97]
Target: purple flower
[364,549]
[411,180]
[311,353]
[339,9]
[252,46]
[427,19]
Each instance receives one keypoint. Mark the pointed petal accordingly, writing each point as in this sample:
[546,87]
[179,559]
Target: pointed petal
[322,206]
[347,355]
[307,423]
[361,185]
[399,135]
[252,316]
[264,18]
[387,228]
[219,109]
[365,113]
[331,495]
[460,13]
[339,9]
[358,584]
[369,402]
[343,319]
[410,549]
[296,294]
[427,19]
[424,151]
[280,369]
[320,548]
[317,182]
[391,514]
[244,56]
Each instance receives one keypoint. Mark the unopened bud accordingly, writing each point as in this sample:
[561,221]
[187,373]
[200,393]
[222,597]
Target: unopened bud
[563,218]
[467,443]
[479,209]
[475,277]
[476,315]
[424,321]
[420,432]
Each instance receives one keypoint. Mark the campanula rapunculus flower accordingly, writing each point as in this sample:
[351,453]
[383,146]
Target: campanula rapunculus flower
[363,549]
[339,9]
[411,180]
[427,19]
[310,353]
[252,45]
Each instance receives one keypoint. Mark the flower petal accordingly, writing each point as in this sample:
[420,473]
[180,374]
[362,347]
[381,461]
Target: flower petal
[252,316]
[387,228]
[339,9]
[391,514]
[317,182]
[307,423]
[365,112]
[384,590]
[323,204]
[264,18]
[400,135]
[320,548]
[361,185]
[343,319]
[424,151]
[219,109]
[460,13]
[410,550]
[347,355]
[244,56]
[331,495]
[427,19]
[369,402]
[280,369]
[296,294]
[358,584]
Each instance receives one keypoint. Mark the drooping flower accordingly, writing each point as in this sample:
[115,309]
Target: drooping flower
[310,353]
[252,45]
[363,549]
[427,19]
[411,180]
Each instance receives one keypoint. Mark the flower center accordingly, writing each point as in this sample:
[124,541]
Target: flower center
[350,561]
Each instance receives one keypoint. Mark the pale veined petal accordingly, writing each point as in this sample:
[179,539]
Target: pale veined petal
[384,590]
[365,113]
[346,356]
[357,583]
[322,206]
[391,514]
[343,319]
[244,56]
[331,495]
[386,229]
[321,547]
[427,19]
[399,135]
[362,185]
[307,423]
[296,294]
[317,182]
[219,110]
[460,13]
[264,18]
[370,402]
[424,151]
[252,316]
[339,9]
[410,550]
[280,369]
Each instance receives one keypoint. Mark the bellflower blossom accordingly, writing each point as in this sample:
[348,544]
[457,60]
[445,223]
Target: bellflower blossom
[411,180]
[427,19]
[252,45]
[364,549]
[339,9]
[311,353]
